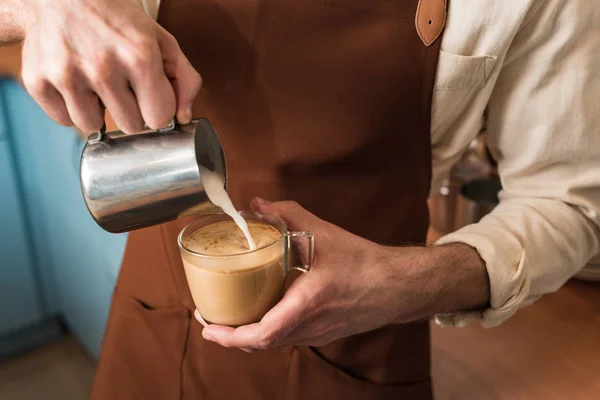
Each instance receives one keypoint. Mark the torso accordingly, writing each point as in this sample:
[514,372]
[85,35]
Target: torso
[326,102]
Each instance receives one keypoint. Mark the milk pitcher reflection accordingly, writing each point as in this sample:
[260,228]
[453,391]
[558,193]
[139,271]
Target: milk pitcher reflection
[230,284]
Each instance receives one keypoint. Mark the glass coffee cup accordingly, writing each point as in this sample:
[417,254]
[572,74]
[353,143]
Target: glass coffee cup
[239,289]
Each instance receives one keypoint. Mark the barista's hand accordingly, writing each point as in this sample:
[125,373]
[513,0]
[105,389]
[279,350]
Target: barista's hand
[80,56]
[357,285]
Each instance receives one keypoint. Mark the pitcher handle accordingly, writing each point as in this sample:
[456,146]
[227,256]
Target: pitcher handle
[98,136]
[301,248]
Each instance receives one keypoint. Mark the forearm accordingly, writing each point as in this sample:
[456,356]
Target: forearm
[11,22]
[461,276]
[439,279]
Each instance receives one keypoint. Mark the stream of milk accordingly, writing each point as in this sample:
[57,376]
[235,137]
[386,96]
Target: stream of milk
[214,187]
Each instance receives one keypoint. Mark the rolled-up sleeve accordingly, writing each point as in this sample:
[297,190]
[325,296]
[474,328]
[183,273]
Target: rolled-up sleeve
[543,129]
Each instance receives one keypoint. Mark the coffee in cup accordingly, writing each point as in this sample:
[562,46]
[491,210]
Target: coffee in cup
[231,284]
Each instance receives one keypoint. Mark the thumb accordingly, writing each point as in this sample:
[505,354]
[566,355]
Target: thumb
[294,216]
[185,79]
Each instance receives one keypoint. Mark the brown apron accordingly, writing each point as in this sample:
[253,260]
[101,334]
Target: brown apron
[325,102]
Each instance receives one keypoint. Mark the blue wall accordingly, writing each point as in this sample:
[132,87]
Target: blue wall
[75,261]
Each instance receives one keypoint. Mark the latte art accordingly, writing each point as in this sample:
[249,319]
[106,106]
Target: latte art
[226,238]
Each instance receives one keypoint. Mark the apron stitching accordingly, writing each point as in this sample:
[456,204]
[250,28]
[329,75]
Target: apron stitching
[430,52]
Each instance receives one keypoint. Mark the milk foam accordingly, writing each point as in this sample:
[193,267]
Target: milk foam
[226,238]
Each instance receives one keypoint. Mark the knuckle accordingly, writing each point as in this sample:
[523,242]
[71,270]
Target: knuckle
[140,56]
[62,78]
[139,60]
[300,300]
[34,82]
[196,79]
[170,40]
[290,205]
[99,76]
[267,341]
[100,70]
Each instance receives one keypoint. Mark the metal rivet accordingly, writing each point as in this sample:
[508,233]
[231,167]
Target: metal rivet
[95,137]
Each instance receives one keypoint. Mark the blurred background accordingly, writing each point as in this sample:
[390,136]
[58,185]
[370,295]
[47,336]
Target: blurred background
[57,267]
[58,270]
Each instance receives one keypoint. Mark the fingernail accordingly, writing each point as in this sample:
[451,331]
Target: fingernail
[260,200]
[188,112]
[247,350]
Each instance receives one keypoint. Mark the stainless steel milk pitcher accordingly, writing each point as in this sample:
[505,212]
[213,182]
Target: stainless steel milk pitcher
[135,181]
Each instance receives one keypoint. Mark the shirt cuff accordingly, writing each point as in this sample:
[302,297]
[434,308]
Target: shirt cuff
[505,261]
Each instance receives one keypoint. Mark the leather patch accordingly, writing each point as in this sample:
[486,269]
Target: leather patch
[430,19]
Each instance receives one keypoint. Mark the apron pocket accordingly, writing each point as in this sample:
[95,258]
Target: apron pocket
[312,377]
[142,352]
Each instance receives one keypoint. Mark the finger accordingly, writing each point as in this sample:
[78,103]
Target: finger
[295,217]
[85,109]
[49,99]
[121,103]
[270,332]
[82,103]
[205,324]
[153,91]
[185,79]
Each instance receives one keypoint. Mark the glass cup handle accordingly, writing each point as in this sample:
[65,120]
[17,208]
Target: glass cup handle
[301,248]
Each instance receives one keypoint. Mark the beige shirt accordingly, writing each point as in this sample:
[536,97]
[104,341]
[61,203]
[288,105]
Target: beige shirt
[527,74]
